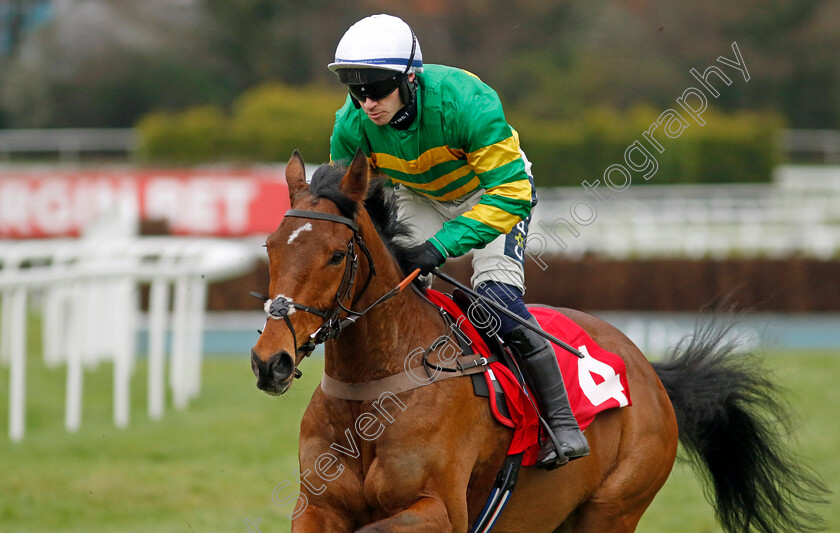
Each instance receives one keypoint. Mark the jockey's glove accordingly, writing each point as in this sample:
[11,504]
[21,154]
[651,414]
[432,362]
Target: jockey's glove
[425,256]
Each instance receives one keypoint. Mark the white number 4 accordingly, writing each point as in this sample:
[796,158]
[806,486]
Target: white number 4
[599,393]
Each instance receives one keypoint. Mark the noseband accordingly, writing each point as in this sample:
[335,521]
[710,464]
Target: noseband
[280,307]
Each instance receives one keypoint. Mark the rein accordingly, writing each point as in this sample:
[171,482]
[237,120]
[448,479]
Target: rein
[281,307]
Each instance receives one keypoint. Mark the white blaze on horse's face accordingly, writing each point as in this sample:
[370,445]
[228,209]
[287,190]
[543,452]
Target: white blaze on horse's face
[297,232]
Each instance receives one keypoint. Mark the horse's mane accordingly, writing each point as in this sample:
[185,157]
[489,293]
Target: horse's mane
[380,204]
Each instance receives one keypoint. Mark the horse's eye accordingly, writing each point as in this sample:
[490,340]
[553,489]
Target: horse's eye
[337,258]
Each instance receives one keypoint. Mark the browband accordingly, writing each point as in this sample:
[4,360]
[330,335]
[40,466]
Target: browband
[302,213]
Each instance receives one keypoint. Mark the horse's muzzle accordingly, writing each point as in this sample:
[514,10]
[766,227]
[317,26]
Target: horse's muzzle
[276,375]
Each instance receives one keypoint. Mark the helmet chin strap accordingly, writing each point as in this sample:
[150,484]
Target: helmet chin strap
[411,56]
[408,94]
[405,116]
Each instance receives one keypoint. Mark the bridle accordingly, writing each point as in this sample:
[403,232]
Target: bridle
[280,307]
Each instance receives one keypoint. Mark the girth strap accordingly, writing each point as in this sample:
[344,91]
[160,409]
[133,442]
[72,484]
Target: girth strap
[404,381]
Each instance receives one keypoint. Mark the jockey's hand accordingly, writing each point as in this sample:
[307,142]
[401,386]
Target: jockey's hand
[425,256]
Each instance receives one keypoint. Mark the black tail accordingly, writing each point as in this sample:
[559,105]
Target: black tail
[731,424]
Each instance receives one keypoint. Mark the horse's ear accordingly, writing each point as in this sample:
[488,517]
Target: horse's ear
[296,176]
[354,184]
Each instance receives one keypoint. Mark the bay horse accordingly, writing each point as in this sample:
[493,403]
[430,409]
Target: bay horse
[425,460]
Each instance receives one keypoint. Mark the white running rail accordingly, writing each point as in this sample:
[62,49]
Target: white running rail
[87,290]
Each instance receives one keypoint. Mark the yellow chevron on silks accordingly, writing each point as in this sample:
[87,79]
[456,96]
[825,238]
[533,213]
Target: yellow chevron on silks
[439,183]
[494,156]
[471,185]
[427,160]
[498,219]
[518,190]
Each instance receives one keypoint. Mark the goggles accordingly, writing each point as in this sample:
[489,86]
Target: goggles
[376,90]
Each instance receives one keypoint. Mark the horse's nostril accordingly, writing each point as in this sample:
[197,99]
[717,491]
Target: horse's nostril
[255,367]
[281,366]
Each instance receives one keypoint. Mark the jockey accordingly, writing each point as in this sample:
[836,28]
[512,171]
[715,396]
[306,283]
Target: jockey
[461,181]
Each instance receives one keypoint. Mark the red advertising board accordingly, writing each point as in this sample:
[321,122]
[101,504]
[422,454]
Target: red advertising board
[56,203]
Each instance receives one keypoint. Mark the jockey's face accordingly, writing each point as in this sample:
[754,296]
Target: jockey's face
[380,112]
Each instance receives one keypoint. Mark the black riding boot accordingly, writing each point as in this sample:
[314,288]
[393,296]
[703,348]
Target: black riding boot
[542,370]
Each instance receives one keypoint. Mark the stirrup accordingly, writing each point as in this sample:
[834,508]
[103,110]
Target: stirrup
[551,454]
[549,459]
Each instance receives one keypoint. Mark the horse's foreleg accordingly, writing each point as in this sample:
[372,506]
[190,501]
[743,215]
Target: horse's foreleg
[427,514]
[319,519]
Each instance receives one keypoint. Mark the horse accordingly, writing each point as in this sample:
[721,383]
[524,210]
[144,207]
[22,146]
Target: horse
[425,459]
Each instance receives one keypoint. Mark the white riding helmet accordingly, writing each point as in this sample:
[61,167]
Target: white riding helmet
[381,42]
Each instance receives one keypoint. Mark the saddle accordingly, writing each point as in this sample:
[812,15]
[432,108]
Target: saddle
[595,383]
[487,381]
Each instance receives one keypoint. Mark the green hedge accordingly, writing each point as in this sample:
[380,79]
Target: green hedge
[271,121]
[194,135]
[728,148]
[267,123]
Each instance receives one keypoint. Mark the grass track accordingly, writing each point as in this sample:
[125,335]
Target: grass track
[214,465]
